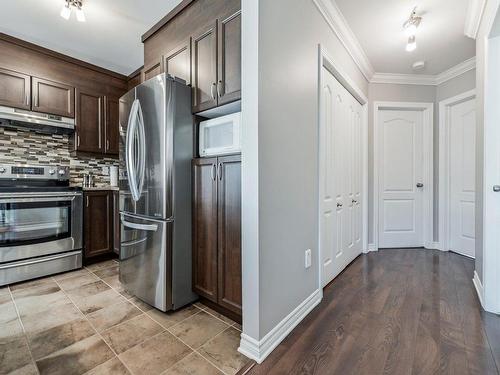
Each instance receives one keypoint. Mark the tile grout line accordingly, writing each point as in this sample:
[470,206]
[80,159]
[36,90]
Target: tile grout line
[194,351]
[25,335]
[95,330]
[205,309]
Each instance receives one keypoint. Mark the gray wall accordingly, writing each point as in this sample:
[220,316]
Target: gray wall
[413,93]
[290,31]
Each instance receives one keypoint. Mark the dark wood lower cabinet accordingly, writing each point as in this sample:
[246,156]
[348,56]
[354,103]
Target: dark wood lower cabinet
[217,231]
[98,223]
[205,228]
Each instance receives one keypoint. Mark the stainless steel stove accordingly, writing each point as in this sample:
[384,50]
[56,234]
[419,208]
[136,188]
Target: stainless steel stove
[40,222]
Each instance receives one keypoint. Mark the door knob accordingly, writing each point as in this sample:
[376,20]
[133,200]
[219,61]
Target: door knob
[420,185]
[339,204]
[354,201]
[496,188]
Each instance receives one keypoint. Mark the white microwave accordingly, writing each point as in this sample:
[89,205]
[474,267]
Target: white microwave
[221,135]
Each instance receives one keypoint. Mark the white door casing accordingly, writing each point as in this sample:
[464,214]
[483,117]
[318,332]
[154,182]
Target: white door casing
[341,217]
[427,167]
[400,170]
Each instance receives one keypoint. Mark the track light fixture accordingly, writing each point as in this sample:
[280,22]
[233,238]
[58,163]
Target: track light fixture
[410,28]
[68,7]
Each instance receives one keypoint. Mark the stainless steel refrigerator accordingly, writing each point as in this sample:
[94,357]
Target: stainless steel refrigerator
[156,148]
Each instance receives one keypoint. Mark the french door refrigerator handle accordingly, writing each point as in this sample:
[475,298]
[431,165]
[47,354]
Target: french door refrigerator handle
[146,227]
[142,152]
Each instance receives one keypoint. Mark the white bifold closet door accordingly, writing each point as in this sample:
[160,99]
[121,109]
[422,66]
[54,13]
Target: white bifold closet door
[340,178]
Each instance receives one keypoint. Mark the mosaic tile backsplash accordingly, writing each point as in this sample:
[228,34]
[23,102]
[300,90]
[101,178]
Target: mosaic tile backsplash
[28,147]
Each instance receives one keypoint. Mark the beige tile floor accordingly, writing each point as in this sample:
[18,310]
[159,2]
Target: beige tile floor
[84,322]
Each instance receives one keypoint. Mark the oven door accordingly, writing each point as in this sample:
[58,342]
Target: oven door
[33,225]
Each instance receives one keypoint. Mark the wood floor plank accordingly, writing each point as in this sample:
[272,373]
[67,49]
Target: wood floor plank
[396,311]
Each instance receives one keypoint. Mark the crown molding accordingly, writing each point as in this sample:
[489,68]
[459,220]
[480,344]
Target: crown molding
[404,79]
[334,18]
[473,17]
[456,70]
[425,79]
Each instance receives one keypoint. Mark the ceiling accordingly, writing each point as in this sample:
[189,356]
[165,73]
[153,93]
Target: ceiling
[111,37]
[441,42]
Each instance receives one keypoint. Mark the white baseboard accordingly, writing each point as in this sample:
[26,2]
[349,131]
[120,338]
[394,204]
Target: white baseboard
[259,350]
[479,288]
[372,247]
[435,246]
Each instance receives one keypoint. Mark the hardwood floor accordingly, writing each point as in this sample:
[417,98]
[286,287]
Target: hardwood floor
[404,311]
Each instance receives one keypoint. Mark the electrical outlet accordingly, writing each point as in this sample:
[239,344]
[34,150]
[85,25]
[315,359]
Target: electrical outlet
[308,258]
[105,171]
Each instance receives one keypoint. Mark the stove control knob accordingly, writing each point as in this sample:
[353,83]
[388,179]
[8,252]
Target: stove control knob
[61,172]
[2,170]
[51,171]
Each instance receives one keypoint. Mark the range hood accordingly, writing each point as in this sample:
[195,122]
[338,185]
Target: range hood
[35,121]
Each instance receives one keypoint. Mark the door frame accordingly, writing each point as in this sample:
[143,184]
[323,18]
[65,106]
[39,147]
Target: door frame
[428,167]
[325,60]
[444,165]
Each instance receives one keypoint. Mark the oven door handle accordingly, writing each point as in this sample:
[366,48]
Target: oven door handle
[32,199]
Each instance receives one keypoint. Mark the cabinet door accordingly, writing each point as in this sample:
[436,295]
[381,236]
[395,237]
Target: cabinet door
[112,128]
[204,69]
[97,223]
[229,59]
[178,62]
[205,228]
[52,97]
[116,222]
[229,232]
[89,119]
[14,89]
[152,70]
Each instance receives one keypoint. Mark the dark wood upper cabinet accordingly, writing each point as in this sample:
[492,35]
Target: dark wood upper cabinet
[178,62]
[152,70]
[112,126]
[229,232]
[97,123]
[98,212]
[15,89]
[229,58]
[205,228]
[52,97]
[204,69]
[89,121]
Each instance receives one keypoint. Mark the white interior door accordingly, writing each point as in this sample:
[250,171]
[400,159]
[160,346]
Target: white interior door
[340,178]
[400,220]
[462,177]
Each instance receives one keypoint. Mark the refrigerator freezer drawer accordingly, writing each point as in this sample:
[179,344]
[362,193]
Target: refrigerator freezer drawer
[146,260]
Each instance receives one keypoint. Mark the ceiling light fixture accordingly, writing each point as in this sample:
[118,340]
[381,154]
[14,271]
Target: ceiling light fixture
[410,27]
[412,44]
[68,7]
[411,24]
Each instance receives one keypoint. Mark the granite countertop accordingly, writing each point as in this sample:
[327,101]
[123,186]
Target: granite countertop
[101,187]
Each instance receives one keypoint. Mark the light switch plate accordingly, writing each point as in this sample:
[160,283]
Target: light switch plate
[308,258]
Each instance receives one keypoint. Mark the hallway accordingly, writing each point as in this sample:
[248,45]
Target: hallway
[394,312]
